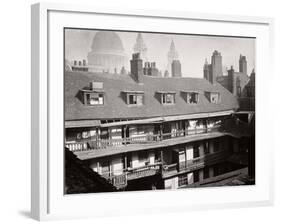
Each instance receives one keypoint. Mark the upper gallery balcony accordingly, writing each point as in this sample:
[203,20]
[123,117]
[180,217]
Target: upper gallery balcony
[148,139]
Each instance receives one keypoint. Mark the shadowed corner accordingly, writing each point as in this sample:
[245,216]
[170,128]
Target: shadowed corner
[25,213]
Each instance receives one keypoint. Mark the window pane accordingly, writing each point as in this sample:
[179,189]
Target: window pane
[170,98]
[94,99]
[139,100]
[214,98]
[196,151]
[133,99]
[192,98]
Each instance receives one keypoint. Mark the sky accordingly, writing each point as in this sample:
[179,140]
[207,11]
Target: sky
[192,49]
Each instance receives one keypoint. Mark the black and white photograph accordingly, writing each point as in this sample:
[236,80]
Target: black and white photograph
[157,111]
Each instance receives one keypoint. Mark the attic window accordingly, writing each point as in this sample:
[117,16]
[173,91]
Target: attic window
[167,98]
[134,97]
[94,98]
[192,97]
[94,94]
[213,97]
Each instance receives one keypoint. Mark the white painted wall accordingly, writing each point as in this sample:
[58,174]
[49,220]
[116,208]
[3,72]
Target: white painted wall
[189,152]
[117,166]
[151,156]
[201,149]
[137,163]
[190,178]
[182,157]
[135,160]
[172,183]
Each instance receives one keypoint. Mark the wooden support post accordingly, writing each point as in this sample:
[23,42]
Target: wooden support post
[161,155]
[97,138]
[161,132]
[110,168]
[126,137]
[98,167]
[125,161]
[185,158]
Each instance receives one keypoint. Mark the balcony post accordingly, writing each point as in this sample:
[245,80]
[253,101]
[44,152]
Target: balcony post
[161,156]
[205,121]
[125,161]
[97,138]
[185,159]
[161,133]
[125,134]
[110,168]
[98,167]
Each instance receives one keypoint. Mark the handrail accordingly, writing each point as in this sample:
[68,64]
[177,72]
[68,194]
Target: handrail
[152,169]
[85,145]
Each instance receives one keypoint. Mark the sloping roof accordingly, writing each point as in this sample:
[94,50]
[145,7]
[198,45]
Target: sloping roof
[116,107]
[81,179]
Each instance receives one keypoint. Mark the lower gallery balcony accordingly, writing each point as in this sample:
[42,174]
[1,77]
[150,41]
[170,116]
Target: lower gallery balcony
[194,164]
[129,174]
[157,169]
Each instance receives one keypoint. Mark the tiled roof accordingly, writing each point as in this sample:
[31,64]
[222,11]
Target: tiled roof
[81,179]
[115,106]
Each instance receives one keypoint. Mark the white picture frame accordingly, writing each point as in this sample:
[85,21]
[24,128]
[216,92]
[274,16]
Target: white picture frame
[48,201]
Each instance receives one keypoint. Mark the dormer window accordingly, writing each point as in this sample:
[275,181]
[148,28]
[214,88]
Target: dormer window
[93,95]
[213,97]
[134,98]
[167,98]
[94,98]
[191,97]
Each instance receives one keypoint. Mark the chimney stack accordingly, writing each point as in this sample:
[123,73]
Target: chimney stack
[96,85]
[232,81]
[137,68]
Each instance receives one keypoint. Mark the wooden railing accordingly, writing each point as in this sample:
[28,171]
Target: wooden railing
[144,171]
[167,170]
[118,181]
[170,169]
[207,159]
[105,143]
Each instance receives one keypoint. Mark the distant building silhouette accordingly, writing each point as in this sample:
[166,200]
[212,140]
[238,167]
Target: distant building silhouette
[150,69]
[140,47]
[107,53]
[213,70]
[235,82]
[176,68]
[243,64]
[172,55]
